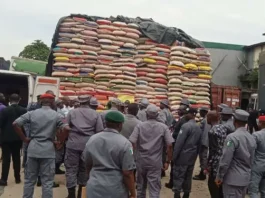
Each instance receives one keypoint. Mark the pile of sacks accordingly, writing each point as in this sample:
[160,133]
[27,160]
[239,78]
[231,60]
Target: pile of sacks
[152,62]
[116,70]
[75,56]
[189,77]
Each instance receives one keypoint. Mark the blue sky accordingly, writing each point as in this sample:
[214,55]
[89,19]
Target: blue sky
[228,21]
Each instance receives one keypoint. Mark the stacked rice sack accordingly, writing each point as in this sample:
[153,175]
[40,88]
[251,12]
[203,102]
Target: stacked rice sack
[116,70]
[152,62]
[187,77]
[75,55]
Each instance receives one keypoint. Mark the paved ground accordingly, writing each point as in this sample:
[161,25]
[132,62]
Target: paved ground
[199,189]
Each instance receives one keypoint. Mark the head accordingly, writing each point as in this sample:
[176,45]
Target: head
[133,109]
[76,103]
[108,105]
[164,104]
[66,101]
[152,112]
[127,102]
[115,103]
[222,106]
[203,112]
[2,98]
[226,114]
[191,114]
[59,104]
[50,92]
[114,120]
[47,100]
[143,104]
[261,122]
[212,117]
[14,99]
[84,100]
[182,110]
[240,118]
[38,98]
[93,103]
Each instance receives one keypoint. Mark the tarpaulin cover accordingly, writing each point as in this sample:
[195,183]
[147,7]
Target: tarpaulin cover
[151,29]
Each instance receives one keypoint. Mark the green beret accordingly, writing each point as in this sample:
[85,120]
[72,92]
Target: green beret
[114,116]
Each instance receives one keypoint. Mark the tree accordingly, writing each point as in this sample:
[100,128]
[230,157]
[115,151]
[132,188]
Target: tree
[37,50]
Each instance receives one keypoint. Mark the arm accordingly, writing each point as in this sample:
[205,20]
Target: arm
[99,124]
[128,167]
[88,158]
[183,134]
[18,124]
[62,135]
[225,160]
[134,136]
[168,140]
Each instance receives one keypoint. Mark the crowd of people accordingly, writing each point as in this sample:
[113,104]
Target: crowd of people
[121,151]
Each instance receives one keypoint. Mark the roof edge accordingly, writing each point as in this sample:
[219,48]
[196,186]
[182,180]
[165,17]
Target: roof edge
[226,46]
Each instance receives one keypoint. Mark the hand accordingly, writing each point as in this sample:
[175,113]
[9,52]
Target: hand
[166,165]
[58,145]
[218,182]
[206,172]
[27,140]
[132,196]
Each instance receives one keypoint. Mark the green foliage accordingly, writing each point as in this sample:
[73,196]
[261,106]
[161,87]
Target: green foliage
[36,51]
[253,76]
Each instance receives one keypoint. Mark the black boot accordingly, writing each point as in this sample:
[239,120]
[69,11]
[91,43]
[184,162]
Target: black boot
[163,173]
[186,195]
[169,184]
[177,195]
[200,177]
[79,192]
[58,171]
[39,182]
[71,193]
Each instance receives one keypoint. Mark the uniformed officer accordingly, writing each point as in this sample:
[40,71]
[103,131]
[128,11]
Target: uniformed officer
[257,182]
[182,111]
[130,120]
[227,119]
[115,105]
[165,115]
[142,109]
[222,106]
[235,164]
[41,149]
[205,127]
[110,166]
[84,123]
[149,139]
[185,154]
[93,103]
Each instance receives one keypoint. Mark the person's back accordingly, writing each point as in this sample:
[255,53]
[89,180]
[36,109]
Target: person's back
[239,170]
[259,159]
[43,124]
[84,123]
[150,142]
[187,144]
[7,117]
[258,168]
[110,166]
[107,166]
[130,120]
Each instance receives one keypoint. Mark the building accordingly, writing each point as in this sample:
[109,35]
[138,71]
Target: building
[252,52]
[228,62]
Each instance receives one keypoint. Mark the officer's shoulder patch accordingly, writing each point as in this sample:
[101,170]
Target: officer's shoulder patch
[131,150]
[180,132]
[229,143]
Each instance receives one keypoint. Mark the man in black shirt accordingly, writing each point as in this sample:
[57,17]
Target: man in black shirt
[11,143]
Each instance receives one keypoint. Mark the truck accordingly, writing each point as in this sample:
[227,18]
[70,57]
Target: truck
[29,81]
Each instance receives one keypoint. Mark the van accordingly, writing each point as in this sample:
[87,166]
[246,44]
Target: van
[26,85]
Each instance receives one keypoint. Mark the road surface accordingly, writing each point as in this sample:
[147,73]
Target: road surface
[199,188]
